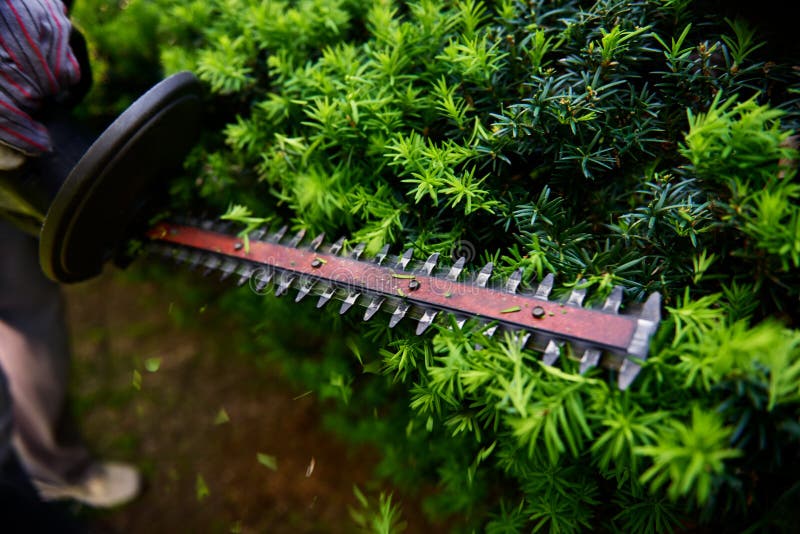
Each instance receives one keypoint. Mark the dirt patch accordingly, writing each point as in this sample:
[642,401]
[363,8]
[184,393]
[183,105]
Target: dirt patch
[203,423]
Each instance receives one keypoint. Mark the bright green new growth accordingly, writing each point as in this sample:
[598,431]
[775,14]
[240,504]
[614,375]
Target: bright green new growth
[619,143]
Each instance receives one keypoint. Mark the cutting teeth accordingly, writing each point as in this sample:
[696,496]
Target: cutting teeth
[590,358]
[426,321]
[578,294]
[211,263]
[613,301]
[430,264]
[399,313]
[456,269]
[545,287]
[262,278]
[373,307]
[304,290]
[627,373]
[195,258]
[182,256]
[336,247]
[326,296]
[284,282]
[551,353]
[297,239]
[484,275]
[317,241]
[489,332]
[403,260]
[513,281]
[358,251]
[381,255]
[258,234]
[228,268]
[277,236]
[348,302]
[245,272]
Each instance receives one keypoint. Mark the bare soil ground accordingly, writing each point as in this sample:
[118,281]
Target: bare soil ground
[194,415]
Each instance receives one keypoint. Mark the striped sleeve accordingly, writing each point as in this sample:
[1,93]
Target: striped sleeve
[36,64]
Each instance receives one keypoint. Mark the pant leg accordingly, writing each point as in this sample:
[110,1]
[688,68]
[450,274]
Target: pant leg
[34,354]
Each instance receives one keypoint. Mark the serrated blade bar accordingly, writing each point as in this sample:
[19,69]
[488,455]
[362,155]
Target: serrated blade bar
[625,337]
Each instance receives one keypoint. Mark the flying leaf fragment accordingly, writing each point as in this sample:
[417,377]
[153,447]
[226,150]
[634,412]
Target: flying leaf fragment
[222,417]
[267,460]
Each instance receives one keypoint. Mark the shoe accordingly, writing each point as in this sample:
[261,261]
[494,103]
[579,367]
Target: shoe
[105,485]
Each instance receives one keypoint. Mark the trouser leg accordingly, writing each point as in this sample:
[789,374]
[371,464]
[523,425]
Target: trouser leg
[34,354]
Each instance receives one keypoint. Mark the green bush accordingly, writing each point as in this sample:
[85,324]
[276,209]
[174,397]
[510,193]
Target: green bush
[645,144]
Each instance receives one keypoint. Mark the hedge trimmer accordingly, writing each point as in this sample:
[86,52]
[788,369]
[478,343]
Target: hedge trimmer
[93,211]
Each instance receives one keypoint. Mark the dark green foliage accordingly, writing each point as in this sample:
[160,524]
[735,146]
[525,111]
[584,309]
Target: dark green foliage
[646,144]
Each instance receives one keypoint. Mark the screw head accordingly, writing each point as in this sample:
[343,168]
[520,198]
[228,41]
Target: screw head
[413,285]
[538,312]
[316,263]
[238,245]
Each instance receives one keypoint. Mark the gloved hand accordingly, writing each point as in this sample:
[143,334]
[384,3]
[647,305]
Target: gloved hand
[37,66]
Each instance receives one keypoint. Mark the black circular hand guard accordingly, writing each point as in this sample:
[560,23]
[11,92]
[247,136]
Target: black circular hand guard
[91,215]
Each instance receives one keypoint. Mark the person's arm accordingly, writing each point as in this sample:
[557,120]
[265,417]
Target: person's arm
[37,67]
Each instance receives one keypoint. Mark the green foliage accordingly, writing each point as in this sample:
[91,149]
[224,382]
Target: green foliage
[609,143]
